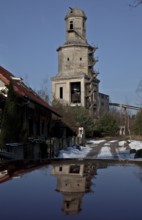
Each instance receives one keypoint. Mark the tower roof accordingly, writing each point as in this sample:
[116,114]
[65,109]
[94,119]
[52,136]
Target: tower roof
[75,12]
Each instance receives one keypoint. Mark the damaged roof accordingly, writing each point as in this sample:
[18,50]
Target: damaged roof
[22,90]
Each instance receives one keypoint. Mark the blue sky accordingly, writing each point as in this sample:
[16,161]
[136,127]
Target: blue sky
[32,30]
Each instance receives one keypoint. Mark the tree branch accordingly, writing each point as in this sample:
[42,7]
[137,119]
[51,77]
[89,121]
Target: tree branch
[136,3]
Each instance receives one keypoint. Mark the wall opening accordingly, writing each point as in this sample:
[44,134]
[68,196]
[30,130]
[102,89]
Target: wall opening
[74,169]
[60,169]
[71,25]
[61,92]
[75,92]
[42,127]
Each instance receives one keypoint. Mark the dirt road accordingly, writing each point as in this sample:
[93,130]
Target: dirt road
[109,149]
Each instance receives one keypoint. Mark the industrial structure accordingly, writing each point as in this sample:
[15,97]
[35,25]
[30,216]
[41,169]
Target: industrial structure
[125,106]
[76,82]
[125,126]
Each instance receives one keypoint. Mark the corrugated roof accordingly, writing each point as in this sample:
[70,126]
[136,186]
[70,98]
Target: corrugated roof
[22,90]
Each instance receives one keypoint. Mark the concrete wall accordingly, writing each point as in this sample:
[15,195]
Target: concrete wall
[65,84]
[72,60]
[103,103]
[64,169]
[79,25]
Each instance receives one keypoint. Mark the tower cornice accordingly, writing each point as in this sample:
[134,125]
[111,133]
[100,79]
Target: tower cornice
[76,45]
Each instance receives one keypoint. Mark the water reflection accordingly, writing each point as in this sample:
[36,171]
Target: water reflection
[74,178]
[70,188]
[16,169]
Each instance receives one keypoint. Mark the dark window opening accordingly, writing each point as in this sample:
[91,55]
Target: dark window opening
[61,92]
[71,25]
[60,168]
[80,58]
[68,59]
[75,92]
[67,205]
[42,127]
[38,127]
[31,126]
[74,169]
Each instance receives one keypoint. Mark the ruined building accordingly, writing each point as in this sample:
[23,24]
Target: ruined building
[76,82]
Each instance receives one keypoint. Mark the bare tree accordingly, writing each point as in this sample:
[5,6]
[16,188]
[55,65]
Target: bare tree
[135,3]
[43,92]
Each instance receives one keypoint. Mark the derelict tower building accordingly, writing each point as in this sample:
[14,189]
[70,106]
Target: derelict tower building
[76,82]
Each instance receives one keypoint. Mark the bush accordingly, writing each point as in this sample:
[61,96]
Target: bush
[76,116]
[107,125]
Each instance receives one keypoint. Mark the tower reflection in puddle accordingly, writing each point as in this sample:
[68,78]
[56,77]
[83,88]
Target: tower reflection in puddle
[73,180]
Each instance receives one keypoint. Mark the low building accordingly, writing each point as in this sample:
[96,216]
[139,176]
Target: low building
[37,113]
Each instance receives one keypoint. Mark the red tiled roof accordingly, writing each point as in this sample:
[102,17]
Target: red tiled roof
[22,90]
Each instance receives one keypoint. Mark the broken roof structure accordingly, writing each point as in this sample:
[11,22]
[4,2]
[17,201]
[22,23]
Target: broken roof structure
[22,90]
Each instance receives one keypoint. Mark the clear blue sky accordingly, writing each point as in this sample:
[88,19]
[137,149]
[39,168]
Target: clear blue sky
[32,30]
